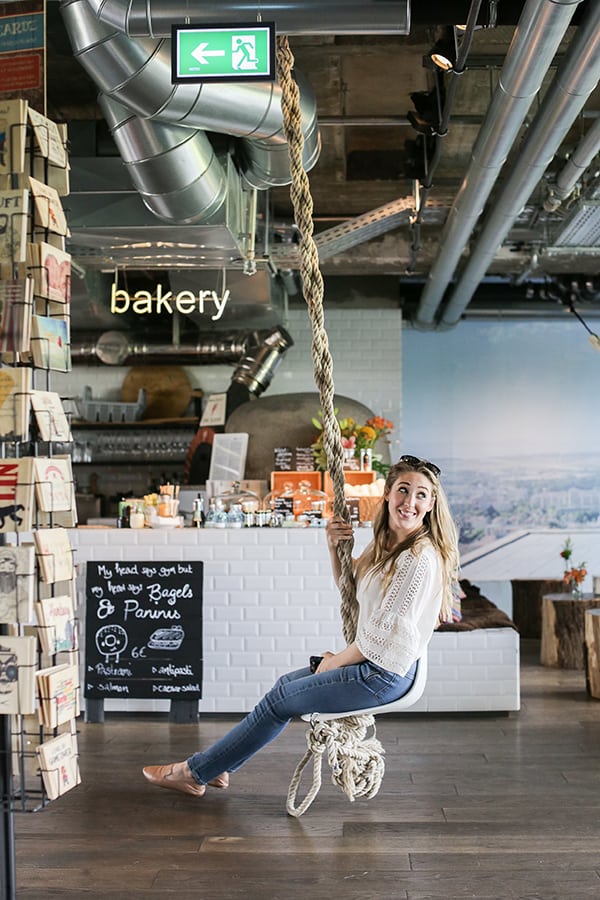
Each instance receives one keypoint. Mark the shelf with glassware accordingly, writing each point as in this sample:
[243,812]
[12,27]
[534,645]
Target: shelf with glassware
[151,441]
[116,460]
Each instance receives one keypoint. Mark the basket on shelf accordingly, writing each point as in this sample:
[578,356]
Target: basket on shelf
[110,410]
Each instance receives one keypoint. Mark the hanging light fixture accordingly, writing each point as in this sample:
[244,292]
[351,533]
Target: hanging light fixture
[593,338]
[444,52]
[462,28]
[426,116]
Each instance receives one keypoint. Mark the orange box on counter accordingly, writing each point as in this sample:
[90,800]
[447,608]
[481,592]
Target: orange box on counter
[295,478]
[367,505]
[350,477]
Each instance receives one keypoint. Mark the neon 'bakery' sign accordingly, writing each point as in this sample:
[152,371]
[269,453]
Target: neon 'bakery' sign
[185,302]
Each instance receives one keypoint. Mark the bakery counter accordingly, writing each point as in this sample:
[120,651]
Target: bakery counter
[269,602]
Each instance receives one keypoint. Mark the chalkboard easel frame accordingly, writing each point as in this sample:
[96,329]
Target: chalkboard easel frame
[181,712]
[154,607]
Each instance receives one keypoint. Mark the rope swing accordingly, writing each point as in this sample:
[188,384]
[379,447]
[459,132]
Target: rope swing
[356,761]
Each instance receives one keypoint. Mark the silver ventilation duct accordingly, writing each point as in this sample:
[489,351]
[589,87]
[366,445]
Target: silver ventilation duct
[140,17]
[159,129]
[537,37]
[137,74]
[174,169]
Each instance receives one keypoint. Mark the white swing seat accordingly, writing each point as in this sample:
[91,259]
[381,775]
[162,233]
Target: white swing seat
[414,694]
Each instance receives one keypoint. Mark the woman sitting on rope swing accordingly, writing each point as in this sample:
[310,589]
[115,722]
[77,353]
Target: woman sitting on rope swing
[404,587]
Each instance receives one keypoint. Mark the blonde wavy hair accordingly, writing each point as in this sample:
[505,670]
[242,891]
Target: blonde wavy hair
[438,527]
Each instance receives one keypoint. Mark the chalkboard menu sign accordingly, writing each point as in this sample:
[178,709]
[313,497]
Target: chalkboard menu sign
[283,459]
[143,630]
[290,459]
[305,460]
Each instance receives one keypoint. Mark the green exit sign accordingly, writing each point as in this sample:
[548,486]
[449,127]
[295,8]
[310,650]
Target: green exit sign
[223,52]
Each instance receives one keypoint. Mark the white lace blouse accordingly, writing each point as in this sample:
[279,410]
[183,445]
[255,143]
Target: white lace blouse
[393,630]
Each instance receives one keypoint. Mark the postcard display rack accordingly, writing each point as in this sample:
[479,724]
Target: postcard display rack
[39,671]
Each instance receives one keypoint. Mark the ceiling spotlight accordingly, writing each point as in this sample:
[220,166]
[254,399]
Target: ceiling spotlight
[425,103]
[443,53]
[420,123]
[426,118]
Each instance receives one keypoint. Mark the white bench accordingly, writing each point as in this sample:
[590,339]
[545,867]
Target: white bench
[472,671]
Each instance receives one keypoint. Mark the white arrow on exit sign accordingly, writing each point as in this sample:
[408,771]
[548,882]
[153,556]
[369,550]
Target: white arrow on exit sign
[200,53]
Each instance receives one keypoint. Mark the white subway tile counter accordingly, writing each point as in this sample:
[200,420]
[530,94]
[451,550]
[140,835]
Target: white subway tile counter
[270,602]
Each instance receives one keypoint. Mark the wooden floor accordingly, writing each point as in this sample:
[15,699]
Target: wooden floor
[471,807]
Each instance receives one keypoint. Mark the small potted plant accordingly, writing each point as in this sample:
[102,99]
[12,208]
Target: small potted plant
[573,576]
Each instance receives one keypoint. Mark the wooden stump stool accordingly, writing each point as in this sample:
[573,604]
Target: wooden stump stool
[563,629]
[592,651]
[527,596]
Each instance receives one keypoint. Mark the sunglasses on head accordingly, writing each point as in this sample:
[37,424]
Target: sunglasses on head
[415,461]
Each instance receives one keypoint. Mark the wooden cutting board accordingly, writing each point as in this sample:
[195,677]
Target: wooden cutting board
[168,390]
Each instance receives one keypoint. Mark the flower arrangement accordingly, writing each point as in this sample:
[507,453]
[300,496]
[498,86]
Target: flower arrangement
[354,437]
[574,575]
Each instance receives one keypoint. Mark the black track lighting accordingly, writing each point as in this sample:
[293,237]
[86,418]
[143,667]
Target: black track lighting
[443,53]
[426,104]
[420,124]
[425,118]
[417,157]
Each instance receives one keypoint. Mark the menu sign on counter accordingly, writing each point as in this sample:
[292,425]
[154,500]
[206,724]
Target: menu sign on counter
[283,459]
[293,459]
[305,460]
[143,630]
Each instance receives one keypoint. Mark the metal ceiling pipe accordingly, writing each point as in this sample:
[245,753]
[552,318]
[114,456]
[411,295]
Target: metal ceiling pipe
[535,42]
[204,349]
[137,74]
[575,80]
[175,170]
[573,170]
[256,370]
[144,17]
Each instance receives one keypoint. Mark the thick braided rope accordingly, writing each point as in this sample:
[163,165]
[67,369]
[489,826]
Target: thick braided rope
[357,764]
[356,761]
[312,283]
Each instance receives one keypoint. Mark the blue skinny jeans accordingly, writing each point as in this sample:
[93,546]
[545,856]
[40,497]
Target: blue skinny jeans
[358,686]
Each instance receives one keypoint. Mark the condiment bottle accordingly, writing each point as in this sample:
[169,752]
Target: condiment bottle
[136,517]
[198,517]
[210,516]
[235,516]
[220,516]
[164,505]
[124,520]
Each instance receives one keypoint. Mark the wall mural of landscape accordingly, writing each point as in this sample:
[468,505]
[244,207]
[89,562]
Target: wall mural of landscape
[511,412]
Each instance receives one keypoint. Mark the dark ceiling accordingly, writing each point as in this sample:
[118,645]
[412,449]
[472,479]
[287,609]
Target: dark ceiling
[380,112]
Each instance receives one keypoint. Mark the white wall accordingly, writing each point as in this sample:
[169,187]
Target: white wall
[366,348]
